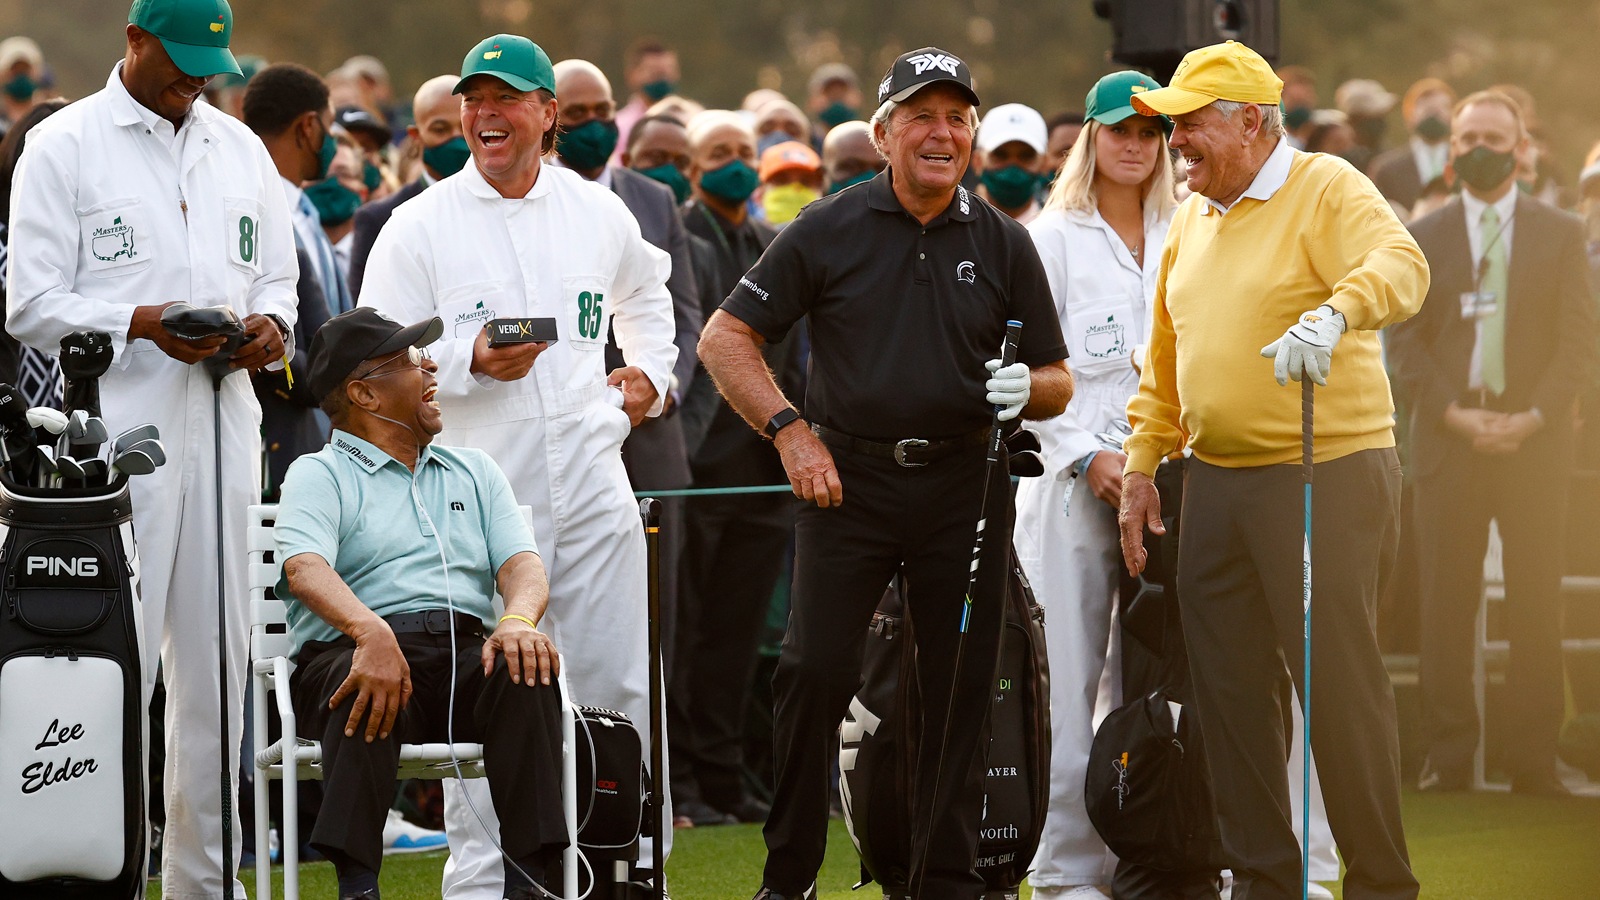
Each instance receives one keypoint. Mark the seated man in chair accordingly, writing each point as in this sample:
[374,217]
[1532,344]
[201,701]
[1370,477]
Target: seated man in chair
[392,551]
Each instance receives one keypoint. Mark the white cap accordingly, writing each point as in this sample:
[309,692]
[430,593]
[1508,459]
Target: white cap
[20,49]
[1013,122]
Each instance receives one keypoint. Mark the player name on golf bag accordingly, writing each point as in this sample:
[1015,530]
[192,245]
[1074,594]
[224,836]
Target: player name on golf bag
[878,748]
[72,724]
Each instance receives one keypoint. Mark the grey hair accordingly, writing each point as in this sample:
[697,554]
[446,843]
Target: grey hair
[886,112]
[1271,114]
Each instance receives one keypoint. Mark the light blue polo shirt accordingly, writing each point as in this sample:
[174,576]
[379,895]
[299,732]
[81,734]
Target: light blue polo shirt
[352,504]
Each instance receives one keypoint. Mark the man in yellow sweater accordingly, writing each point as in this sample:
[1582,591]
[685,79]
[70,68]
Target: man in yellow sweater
[1295,257]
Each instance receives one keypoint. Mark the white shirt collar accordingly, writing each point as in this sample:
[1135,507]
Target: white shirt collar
[292,192]
[1506,207]
[128,111]
[603,179]
[479,186]
[1272,175]
[1430,158]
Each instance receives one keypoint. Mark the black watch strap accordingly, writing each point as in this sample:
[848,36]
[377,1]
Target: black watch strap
[777,422]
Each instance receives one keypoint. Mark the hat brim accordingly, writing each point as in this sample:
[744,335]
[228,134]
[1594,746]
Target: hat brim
[201,62]
[516,81]
[419,335]
[905,93]
[1122,113]
[1170,101]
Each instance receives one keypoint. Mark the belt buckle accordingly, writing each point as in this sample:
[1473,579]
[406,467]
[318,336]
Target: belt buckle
[436,621]
[901,447]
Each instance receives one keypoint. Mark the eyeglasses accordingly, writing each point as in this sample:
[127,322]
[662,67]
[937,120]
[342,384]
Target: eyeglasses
[413,355]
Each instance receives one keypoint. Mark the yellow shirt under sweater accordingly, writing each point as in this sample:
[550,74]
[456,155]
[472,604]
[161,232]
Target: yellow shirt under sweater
[1232,284]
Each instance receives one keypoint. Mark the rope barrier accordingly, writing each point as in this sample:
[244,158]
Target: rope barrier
[711,492]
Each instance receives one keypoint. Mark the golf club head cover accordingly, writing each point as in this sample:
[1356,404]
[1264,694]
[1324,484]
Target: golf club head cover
[17,434]
[85,356]
[192,323]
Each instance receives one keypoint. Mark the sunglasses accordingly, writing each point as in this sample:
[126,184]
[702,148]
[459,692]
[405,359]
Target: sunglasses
[413,356]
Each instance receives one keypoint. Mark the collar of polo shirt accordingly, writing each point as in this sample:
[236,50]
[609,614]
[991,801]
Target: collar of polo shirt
[880,196]
[369,459]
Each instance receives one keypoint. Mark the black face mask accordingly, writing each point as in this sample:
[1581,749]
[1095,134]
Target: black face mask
[1484,169]
[1433,129]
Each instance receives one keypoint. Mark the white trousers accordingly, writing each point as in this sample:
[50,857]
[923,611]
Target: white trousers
[1071,557]
[175,524]
[569,469]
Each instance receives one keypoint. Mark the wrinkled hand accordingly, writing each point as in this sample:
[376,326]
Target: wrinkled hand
[1105,476]
[638,393]
[1141,508]
[1307,347]
[810,466]
[380,678]
[527,650]
[264,346]
[1009,388]
[508,363]
[1505,434]
[146,324]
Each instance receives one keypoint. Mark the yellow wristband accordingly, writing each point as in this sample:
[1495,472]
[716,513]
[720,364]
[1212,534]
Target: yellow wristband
[520,619]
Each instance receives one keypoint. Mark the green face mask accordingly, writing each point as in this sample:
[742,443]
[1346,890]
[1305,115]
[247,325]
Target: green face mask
[371,177]
[588,146]
[838,114]
[447,158]
[669,175]
[1294,118]
[1433,129]
[838,186]
[21,87]
[335,203]
[732,182]
[1011,187]
[325,156]
[657,89]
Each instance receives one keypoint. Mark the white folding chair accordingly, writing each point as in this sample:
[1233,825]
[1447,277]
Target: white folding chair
[270,667]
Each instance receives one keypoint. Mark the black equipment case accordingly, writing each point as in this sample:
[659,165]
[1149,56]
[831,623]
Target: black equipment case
[73,734]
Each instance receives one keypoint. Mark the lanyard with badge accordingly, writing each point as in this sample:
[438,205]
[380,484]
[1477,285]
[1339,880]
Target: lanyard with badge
[1478,304]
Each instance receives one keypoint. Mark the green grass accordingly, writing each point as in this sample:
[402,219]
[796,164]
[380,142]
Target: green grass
[1463,847]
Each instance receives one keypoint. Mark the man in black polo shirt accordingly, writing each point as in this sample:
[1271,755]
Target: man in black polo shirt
[906,283]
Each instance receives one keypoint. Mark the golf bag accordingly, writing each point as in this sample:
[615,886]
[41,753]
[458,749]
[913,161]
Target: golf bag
[72,724]
[613,809]
[878,748]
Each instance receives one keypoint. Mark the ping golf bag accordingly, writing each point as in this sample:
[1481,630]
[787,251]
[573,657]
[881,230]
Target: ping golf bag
[72,725]
[878,748]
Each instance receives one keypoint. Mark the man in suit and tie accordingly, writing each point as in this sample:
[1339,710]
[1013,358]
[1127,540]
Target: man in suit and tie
[1491,366]
[444,151]
[1402,173]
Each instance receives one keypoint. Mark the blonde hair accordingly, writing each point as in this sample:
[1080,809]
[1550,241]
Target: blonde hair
[1074,188]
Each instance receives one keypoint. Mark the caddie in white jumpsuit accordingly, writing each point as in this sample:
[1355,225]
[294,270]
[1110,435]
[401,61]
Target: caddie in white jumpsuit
[1103,279]
[507,236]
[134,197]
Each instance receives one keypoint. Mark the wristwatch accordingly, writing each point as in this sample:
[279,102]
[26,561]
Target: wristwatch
[777,422]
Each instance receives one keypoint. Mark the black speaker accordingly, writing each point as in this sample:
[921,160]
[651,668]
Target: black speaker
[1155,34]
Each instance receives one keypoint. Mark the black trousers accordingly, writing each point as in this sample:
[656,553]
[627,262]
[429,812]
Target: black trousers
[733,553]
[1454,507]
[1239,576]
[923,519]
[519,726]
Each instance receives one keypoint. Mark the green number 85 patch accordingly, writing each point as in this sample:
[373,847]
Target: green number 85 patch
[590,314]
[247,239]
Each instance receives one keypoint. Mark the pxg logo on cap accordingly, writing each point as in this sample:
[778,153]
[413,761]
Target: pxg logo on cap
[916,70]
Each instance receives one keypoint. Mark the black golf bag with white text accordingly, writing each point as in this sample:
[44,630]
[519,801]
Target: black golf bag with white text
[878,748]
[72,725]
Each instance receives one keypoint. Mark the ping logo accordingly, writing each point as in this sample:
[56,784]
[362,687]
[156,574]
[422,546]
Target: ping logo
[966,271]
[80,567]
[922,62]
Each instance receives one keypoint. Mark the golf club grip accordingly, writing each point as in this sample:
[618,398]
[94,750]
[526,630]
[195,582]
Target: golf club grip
[1008,350]
[650,513]
[1307,400]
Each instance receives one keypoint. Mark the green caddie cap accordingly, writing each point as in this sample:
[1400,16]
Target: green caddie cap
[1111,99]
[195,33]
[511,58]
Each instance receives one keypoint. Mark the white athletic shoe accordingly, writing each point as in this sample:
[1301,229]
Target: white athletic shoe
[400,836]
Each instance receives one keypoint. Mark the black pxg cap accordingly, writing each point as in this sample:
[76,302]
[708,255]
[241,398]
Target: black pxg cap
[347,340]
[916,70]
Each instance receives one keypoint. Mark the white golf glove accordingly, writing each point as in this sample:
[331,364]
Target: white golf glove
[1008,388]
[1307,347]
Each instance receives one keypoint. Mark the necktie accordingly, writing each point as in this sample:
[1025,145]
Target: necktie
[333,287]
[1492,270]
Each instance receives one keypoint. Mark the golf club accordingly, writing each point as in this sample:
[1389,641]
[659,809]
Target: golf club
[133,462]
[70,468]
[1307,398]
[94,472]
[47,465]
[919,850]
[91,434]
[151,448]
[17,440]
[133,436]
[85,356]
[190,323]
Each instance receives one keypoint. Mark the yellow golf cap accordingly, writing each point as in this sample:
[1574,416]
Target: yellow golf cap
[1229,71]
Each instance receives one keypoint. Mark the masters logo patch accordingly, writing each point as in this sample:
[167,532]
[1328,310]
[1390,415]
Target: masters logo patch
[112,242]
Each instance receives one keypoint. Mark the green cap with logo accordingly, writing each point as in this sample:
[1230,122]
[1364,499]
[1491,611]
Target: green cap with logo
[1111,99]
[511,58]
[195,33]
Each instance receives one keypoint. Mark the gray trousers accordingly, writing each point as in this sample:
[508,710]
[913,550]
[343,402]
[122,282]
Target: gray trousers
[1239,576]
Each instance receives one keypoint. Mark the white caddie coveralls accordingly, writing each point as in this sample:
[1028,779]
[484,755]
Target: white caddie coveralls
[111,210]
[1067,538]
[569,250]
